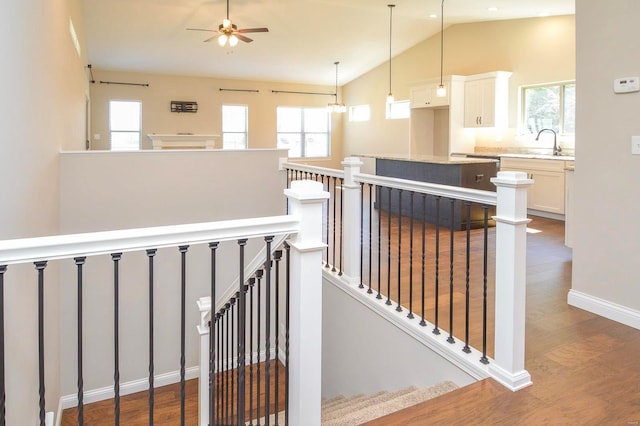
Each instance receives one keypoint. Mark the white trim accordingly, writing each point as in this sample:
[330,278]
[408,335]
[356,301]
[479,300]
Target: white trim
[58,421]
[604,308]
[127,388]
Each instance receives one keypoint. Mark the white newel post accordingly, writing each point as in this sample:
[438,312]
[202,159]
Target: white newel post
[305,332]
[351,220]
[511,279]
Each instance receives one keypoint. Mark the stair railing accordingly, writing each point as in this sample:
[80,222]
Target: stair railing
[303,224]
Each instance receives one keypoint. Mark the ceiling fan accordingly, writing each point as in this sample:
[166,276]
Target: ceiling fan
[229,32]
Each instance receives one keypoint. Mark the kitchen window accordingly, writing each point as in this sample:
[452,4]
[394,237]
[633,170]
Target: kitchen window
[549,106]
[359,113]
[398,109]
[305,132]
[125,125]
[235,126]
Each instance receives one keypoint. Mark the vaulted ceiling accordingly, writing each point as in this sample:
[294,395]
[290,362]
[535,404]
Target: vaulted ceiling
[305,37]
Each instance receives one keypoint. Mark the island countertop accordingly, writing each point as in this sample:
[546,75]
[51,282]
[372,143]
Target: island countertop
[430,158]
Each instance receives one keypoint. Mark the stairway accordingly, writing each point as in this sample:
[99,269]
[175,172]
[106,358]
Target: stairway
[359,409]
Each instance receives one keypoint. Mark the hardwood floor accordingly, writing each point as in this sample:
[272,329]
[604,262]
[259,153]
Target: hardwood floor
[585,368]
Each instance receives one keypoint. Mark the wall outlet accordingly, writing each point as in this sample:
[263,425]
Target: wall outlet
[635,145]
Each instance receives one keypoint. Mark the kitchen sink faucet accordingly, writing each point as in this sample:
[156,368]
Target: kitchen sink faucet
[556,149]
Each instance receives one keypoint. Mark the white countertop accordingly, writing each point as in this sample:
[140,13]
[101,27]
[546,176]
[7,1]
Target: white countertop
[430,158]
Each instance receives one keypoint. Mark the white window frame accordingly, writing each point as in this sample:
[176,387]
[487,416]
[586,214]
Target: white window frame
[359,113]
[303,133]
[561,108]
[245,133]
[137,130]
[397,110]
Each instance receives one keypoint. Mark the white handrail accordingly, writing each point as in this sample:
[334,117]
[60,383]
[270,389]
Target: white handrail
[98,243]
[313,169]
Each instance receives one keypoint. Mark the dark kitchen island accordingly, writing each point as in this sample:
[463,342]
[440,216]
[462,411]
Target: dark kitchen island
[475,173]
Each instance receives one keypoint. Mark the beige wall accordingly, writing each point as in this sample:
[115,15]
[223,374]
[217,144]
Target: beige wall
[607,246]
[157,117]
[536,50]
[43,84]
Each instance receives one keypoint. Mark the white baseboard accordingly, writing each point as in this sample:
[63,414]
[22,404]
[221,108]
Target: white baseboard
[126,388]
[604,308]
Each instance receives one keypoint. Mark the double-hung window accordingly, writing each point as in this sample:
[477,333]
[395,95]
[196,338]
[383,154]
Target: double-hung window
[125,125]
[549,106]
[305,132]
[235,126]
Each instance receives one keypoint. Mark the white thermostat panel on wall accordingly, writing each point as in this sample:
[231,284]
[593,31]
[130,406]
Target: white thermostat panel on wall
[626,84]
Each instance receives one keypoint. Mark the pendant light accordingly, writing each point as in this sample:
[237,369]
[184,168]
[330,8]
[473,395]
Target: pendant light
[390,95]
[441,91]
[335,106]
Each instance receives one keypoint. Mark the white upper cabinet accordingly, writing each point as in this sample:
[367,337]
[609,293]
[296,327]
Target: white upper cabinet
[486,100]
[425,96]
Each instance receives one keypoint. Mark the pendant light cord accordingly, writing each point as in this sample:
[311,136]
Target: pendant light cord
[441,39]
[391,6]
[336,64]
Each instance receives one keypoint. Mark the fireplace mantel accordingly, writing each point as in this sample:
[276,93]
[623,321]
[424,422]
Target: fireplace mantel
[183,141]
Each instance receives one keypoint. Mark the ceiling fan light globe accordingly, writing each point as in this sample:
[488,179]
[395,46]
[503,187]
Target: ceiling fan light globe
[222,40]
[226,24]
[233,40]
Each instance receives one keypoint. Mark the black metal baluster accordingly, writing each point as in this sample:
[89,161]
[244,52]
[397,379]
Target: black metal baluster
[151,254]
[327,218]
[370,246]
[277,256]
[422,278]
[242,315]
[259,274]
[212,352]
[388,302]
[232,374]
[79,261]
[341,226]
[410,314]
[183,314]
[227,346]
[399,308]
[436,330]
[219,367]
[484,358]
[379,198]
[3,269]
[466,348]
[333,248]
[450,339]
[115,257]
[40,268]
[361,285]
[267,331]
[287,249]
[252,281]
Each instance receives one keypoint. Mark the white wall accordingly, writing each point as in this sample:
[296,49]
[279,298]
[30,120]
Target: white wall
[365,353]
[606,246]
[114,190]
[538,50]
[44,89]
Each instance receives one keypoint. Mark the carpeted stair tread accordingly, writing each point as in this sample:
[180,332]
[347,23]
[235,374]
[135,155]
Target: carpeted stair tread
[347,402]
[326,403]
[356,404]
[374,411]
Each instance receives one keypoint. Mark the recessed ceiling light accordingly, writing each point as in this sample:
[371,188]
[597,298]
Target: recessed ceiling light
[543,13]
[492,9]
[433,16]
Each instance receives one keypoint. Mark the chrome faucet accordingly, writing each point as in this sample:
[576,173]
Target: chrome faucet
[556,149]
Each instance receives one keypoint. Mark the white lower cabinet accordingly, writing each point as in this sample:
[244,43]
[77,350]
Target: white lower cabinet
[547,194]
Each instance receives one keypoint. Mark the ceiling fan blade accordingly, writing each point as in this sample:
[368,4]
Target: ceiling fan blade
[244,38]
[254,30]
[201,29]
[209,39]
